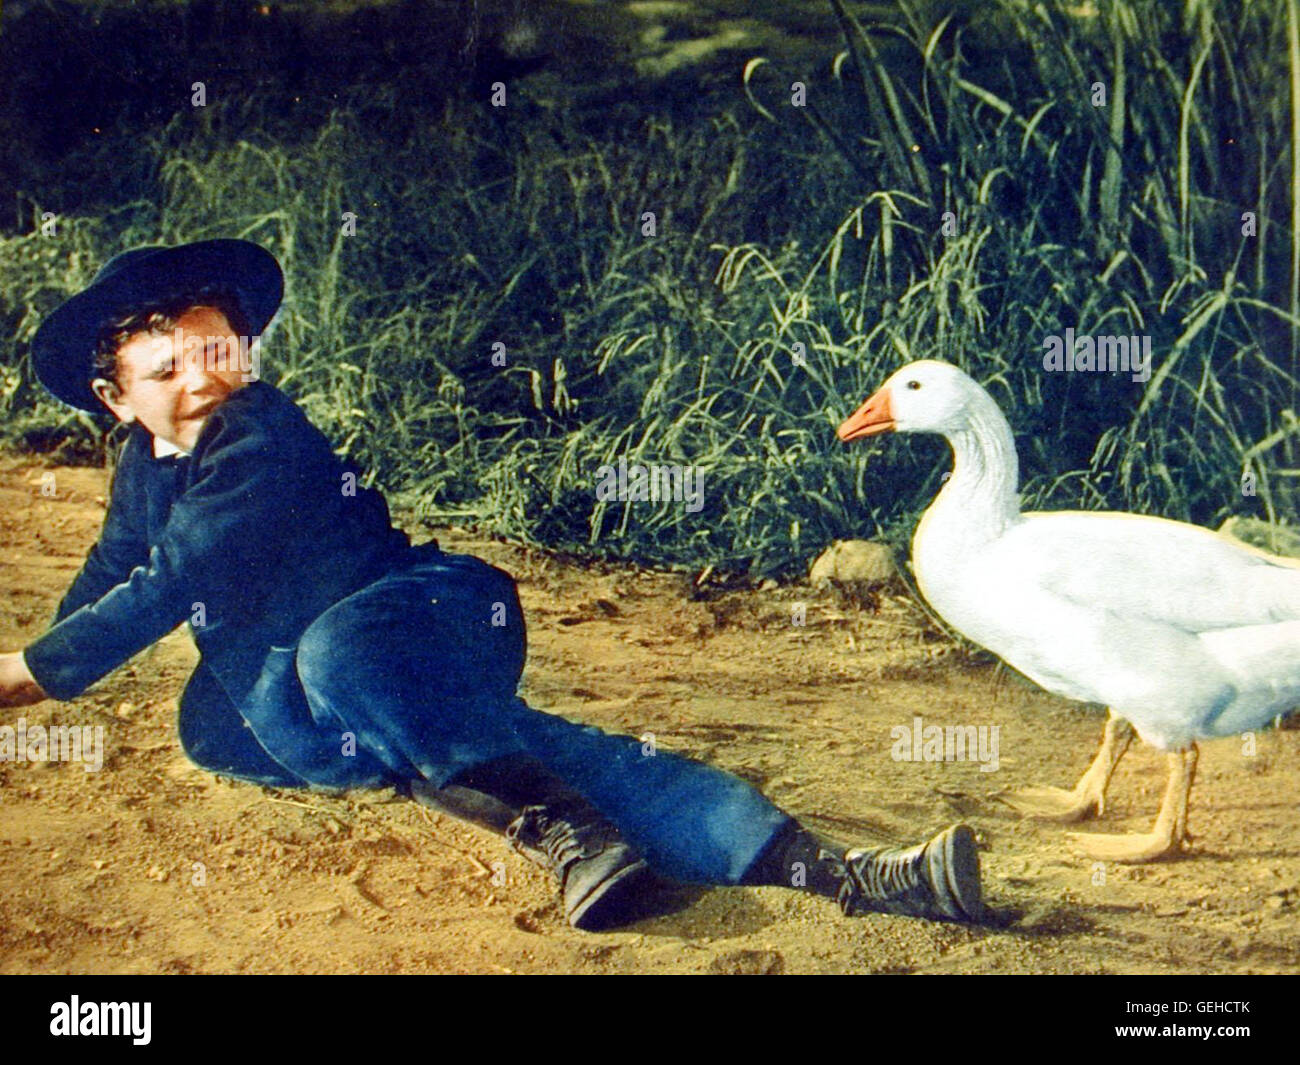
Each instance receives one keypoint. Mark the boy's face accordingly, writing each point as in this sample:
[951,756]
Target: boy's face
[172,382]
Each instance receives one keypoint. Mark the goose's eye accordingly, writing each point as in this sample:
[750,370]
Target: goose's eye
[913,384]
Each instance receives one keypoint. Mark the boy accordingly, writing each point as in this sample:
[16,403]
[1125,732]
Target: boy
[335,655]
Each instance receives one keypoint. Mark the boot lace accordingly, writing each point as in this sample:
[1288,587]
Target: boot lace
[555,836]
[878,876]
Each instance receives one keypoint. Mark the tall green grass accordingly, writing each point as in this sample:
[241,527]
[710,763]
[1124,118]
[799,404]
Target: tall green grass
[799,259]
[1117,219]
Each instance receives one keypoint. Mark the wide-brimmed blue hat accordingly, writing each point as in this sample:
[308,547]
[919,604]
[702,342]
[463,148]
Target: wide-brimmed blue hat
[63,350]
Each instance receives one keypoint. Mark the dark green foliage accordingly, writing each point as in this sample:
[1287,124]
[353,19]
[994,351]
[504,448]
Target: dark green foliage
[818,227]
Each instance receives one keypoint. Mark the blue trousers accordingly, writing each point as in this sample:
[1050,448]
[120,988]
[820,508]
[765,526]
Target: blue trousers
[415,676]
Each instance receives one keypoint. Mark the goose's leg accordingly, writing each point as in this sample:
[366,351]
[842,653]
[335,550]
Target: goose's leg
[1089,795]
[1169,836]
[1181,836]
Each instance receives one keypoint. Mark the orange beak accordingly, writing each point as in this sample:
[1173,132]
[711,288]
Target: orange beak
[876,415]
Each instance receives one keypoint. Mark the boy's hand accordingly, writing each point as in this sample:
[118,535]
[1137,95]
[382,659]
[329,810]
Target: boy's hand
[17,685]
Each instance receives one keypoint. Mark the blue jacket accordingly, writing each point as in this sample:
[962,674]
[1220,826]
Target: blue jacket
[257,527]
[249,538]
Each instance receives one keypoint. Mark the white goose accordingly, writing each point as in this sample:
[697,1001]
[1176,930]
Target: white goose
[1180,631]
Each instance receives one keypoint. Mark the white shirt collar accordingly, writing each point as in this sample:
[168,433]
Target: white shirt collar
[162,449]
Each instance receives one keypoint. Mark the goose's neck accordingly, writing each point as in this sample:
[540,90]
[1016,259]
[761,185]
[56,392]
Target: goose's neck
[981,496]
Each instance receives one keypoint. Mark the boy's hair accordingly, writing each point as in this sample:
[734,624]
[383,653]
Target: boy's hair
[160,316]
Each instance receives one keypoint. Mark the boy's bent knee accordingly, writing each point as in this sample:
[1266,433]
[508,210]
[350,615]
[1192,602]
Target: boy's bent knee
[216,738]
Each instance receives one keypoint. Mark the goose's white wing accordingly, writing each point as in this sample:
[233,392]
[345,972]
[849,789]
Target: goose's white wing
[1148,568]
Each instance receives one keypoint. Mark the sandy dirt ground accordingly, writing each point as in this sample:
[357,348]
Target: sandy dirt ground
[151,865]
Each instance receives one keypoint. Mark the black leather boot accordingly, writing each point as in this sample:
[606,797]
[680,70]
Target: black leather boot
[938,879]
[604,881]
